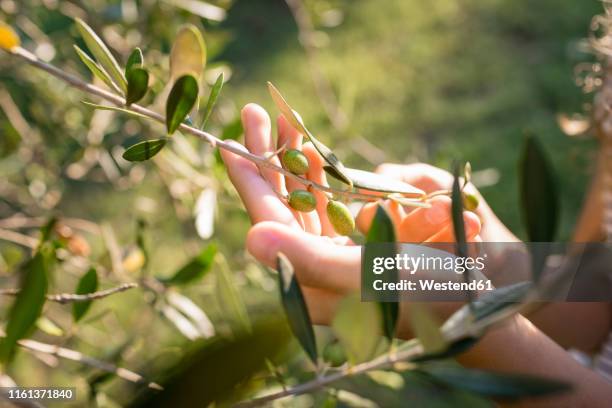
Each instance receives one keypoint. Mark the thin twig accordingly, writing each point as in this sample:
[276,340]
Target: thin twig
[64,298]
[18,238]
[87,360]
[117,100]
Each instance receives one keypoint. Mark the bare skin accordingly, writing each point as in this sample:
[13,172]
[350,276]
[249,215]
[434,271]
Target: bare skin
[328,266]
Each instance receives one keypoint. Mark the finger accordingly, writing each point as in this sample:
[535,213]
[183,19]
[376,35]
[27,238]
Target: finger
[321,304]
[423,223]
[289,137]
[366,215]
[447,234]
[317,175]
[261,202]
[318,262]
[424,176]
[258,139]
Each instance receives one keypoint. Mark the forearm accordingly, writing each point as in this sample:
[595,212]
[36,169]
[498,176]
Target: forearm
[520,347]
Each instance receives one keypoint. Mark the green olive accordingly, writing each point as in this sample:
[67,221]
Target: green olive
[302,200]
[470,201]
[295,161]
[340,217]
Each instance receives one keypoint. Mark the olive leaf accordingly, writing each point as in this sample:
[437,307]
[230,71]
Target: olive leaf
[102,53]
[115,109]
[357,325]
[295,307]
[188,54]
[144,150]
[135,60]
[426,328]
[375,182]
[212,99]
[8,37]
[29,302]
[382,230]
[96,69]
[495,385]
[194,269]
[229,296]
[295,121]
[183,96]
[539,194]
[467,174]
[457,215]
[137,85]
[87,284]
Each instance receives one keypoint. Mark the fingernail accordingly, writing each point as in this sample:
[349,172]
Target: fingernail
[437,214]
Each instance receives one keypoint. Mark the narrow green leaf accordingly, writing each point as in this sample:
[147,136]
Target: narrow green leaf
[295,121]
[29,302]
[135,60]
[295,307]
[539,194]
[212,99]
[495,385]
[188,54]
[144,150]
[375,182]
[426,328]
[114,109]
[102,53]
[382,230]
[229,296]
[138,83]
[194,269]
[457,215]
[452,350]
[358,325]
[96,69]
[183,96]
[87,284]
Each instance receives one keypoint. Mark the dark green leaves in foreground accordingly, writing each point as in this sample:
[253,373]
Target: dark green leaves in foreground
[196,268]
[382,230]
[29,302]
[138,82]
[135,60]
[539,195]
[295,307]
[144,150]
[87,284]
[457,215]
[181,100]
[494,385]
[212,100]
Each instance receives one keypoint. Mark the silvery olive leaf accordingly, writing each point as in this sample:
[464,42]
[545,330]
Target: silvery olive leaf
[375,182]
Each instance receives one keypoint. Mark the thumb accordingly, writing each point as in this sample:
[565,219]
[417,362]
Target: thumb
[318,261]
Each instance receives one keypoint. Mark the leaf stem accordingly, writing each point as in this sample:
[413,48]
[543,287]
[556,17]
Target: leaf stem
[64,298]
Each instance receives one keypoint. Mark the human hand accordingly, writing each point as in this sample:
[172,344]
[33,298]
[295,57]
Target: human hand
[327,265]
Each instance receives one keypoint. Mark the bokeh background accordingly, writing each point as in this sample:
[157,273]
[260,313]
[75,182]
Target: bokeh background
[393,81]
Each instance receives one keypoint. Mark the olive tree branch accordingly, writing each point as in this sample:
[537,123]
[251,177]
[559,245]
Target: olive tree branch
[119,101]
[64,298]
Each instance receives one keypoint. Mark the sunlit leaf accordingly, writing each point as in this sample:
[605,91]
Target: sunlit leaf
[382,230]
[212,100]
[114,109]
[358,327]
[95,69]
[298,124]
[135,60]
[193,312]
[102,54]
[137,85]
[29,302]
[183,96]
[467,173]
[574,125]
[453,349]
[48,326]
[185,326]
[295,307]
[539,195]
[496,385]
[426,328]
[375,182]
[229,296]
[194,269]
[87,284]
[144,150]
[188,54]
[8,37]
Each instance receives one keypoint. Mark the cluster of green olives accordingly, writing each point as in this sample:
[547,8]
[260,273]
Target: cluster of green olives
[338,214]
